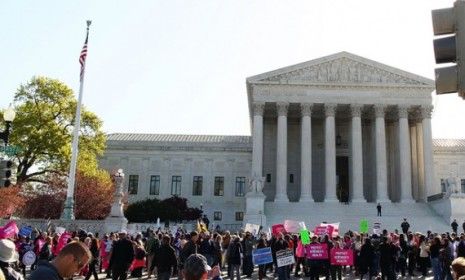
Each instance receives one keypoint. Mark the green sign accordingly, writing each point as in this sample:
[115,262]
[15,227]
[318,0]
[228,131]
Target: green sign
[10,150]
[364,226]
[305,237]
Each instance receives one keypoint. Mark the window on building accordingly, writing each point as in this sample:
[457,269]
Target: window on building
[176,185]
[239,216]
[240,186]
[443,185]
[217,216]
[219,186]
[133,184]
[268,178]
[154,185]
[197,185]
[462,184]
[291,178]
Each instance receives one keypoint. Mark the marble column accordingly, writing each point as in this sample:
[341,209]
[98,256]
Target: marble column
[257,150]
[306,153]
[380,154]
[281,161]
[420,161]
[404,155]
[356,149]
[428,161]
[414,161]
[330,152]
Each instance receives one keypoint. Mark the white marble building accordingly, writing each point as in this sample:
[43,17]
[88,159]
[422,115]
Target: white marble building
[340,128]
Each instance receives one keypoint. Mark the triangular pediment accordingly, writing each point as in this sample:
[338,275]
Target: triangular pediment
[342,69]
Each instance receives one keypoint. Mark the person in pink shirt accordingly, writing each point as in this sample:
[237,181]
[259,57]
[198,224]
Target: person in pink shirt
[300,258]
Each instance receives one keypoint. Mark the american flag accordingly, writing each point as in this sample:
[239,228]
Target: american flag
[82,57]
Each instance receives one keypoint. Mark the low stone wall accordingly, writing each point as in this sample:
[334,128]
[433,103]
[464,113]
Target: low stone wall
[93,226]
[450,208]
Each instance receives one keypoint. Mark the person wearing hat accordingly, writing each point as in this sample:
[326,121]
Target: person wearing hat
[196,268]
[8,255]
[71,259]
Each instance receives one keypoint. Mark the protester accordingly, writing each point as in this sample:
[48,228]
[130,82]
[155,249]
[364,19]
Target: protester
[138,263]
[454,226]
[405,226]
[196,268]
[70,260]
[151,247]
[8,256]
[378,207]
[94,261]
[188,249]
[458,267]
[165,259]
[121,257]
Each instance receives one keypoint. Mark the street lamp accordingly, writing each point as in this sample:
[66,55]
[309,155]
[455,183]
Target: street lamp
[201,207]
[8,115]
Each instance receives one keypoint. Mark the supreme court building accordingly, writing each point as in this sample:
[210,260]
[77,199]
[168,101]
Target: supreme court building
[341,129]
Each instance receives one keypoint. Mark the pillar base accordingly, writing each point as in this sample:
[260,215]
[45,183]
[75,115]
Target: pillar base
[306,198]
[358,200]
[281,198]
[407,200]
[383,200]
[331,200]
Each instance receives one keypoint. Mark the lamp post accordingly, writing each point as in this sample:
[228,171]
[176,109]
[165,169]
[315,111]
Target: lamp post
[201,207]
[8,115]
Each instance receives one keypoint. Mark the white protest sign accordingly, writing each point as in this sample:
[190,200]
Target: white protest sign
[293,226]
[60,230]
[285,257]
[252,228]
[29,258]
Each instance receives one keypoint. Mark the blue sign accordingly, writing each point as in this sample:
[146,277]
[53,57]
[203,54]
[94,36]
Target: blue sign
[262,256]
[25,231]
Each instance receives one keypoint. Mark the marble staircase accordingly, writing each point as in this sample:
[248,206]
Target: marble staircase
[420,216]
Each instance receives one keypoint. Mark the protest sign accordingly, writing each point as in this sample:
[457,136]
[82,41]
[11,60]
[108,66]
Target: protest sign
[342,257]
[335,231]
[278,228]
[284,257]
[25,231]
[324,230]
[63,241]
[364,226]
[377,228]
[252,228]
[305,237]
[9,230]
[317,251]
[29,258]
[60,230]
[293,226]
[262,256]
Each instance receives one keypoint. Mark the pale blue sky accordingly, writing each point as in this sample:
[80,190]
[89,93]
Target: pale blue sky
[180,66]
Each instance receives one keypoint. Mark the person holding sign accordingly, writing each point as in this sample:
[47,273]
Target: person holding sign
[279,245]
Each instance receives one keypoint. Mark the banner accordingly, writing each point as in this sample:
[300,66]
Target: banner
[364,226]
[335,228]
[342,256]
[9,230]
[284,257]
[262,256]
[63,241]
[25,231]
[275,229]
[317,251]
[324,230]
[305,237]
[252,228]
[293,226]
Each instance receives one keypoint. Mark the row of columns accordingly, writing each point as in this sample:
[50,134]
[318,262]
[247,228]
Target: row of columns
[356,150]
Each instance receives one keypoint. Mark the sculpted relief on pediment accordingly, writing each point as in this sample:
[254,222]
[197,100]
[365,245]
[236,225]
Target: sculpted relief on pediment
[344,71]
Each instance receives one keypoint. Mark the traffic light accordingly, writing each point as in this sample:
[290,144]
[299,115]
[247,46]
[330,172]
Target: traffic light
[450,48]
[7,173]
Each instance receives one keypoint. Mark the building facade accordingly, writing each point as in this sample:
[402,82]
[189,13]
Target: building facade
[341,128]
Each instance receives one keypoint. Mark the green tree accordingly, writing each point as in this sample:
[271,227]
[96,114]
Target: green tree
[43,127]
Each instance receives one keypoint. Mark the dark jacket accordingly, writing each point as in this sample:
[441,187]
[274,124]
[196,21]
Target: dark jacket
[234,254]
[45,270]
[122,254]
[189,248]
[165,259]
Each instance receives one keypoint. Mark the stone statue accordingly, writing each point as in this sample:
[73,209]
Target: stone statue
[256,185]
[451,186]
[117,207]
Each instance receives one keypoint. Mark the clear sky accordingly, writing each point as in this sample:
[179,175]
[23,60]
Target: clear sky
[180,66]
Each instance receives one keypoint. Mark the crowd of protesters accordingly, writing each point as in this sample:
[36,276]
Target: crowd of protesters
[164,254]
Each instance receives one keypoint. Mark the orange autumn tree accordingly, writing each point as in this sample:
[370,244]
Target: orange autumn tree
[93,194]
[10,201]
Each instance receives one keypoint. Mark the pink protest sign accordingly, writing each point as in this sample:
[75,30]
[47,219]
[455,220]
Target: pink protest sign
[317,251]
[324,230]
[342,257]
[275,229]
[9,230]
[63,241]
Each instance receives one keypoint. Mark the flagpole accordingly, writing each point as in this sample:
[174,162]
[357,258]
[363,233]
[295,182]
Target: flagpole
[68,211]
